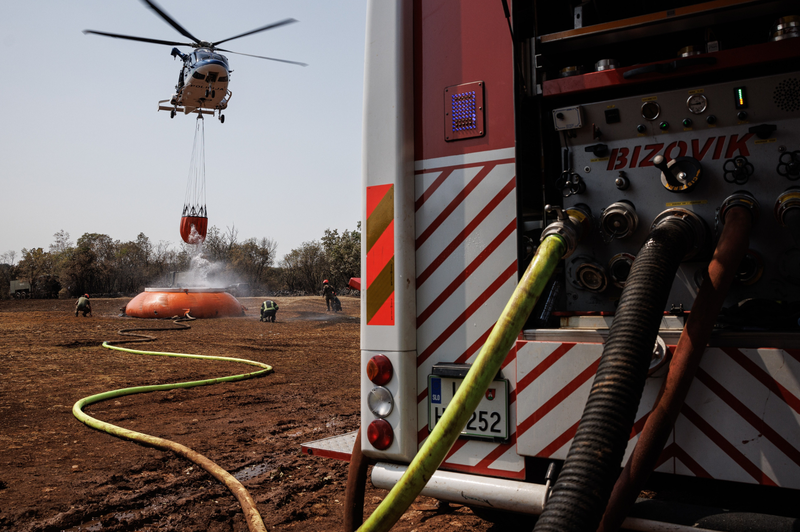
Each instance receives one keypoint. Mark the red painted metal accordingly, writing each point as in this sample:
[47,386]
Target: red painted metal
[743,57]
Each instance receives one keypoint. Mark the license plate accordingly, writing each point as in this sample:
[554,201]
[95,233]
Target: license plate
[490,419]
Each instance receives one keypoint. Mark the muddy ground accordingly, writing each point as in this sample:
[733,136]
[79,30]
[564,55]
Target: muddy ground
[57,474]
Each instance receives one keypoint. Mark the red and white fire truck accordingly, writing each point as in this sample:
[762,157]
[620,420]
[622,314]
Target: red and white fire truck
[487,121]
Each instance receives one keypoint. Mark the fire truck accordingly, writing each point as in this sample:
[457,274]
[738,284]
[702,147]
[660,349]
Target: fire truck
[659,144]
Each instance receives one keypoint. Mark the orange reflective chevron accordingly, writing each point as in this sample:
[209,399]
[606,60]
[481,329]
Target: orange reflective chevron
[380,255]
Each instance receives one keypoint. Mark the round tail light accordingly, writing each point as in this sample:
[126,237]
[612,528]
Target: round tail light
[379,369]
[380,434]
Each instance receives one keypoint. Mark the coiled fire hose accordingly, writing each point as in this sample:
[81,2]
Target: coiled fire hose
[252,517]
[581,492]
[730,250]
[474,386]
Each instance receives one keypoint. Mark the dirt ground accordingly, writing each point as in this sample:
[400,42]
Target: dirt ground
[57,474]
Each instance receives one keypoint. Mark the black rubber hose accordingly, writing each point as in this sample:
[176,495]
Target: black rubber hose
[593,463]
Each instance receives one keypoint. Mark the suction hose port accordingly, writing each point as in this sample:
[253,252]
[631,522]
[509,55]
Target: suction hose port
[587,477]
[787,212]
[737,215]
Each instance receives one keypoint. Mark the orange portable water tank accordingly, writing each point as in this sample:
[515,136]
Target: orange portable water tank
[198,302]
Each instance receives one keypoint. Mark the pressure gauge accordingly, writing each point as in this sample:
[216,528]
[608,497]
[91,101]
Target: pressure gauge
[697,103]
[650,110]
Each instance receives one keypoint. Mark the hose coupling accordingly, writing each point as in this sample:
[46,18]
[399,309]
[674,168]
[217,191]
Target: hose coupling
[787,201]
[740,198]
[692,225]
[571,225]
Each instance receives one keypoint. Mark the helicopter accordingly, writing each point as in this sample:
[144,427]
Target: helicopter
[202,86]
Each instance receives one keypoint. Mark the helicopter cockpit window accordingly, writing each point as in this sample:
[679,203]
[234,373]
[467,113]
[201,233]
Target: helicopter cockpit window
[201,55]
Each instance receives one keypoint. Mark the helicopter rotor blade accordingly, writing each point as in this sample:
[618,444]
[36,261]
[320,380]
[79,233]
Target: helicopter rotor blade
[263,57]
[163,14]
[265,28]
[141,39]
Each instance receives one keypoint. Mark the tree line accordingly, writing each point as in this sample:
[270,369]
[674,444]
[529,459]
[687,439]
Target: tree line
[97,264]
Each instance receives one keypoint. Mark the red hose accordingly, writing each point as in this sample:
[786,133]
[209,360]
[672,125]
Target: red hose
[730,251]
[356,486]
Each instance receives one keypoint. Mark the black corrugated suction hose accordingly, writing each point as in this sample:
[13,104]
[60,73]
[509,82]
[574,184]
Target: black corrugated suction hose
[587,477]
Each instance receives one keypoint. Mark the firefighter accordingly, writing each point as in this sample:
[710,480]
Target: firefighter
[328,293]
[268,310]
[83,305]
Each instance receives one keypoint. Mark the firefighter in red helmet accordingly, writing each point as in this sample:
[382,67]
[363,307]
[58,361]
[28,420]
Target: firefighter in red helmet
[328,293]
[83,305]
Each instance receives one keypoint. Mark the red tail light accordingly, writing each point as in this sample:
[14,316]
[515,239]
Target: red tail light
[380,434]
[379,369]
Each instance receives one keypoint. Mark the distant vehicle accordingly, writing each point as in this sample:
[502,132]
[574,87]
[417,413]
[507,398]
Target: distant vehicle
[203,80]
[20,289]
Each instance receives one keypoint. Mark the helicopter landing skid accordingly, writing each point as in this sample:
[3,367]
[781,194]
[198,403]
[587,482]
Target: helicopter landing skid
[165,105]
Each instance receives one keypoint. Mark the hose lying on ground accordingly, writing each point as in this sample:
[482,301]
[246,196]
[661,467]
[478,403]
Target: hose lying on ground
[253,518]
[583,487]
[473,388]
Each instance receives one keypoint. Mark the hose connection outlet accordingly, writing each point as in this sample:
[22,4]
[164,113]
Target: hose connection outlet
[619,267]
[740,198]
[380,434]
[619,220]
[691,224]
[787,204]
[380,401]
[571,225]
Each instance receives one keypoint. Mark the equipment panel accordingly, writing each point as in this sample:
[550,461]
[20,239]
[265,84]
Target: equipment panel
[693,149]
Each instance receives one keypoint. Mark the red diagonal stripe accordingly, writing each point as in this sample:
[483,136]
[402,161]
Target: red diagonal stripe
[466,272]
[422,434]
[794,353]
[554,401]
[696,469]
[457,200]
[726,446]
[470,310]
[748,415]
[544,365]
[558,443]
[498,451]
[764,378]
[431,189]
[462,236]
[476,345]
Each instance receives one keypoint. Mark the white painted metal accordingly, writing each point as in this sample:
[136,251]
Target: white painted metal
[740,422]
[499,494]
[466,271]
[472,490]
[388,158]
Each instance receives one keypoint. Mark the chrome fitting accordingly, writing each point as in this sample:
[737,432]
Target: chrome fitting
[739,198]
[570,225]
[619,220]
[695,225]
[789,199]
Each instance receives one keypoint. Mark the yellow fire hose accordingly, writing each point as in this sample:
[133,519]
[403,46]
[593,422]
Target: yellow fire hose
[253,518]
[475,384]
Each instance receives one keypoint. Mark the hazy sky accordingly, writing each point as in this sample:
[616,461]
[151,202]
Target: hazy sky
[84,150]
